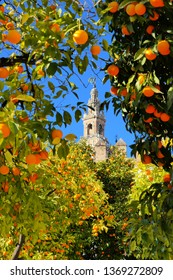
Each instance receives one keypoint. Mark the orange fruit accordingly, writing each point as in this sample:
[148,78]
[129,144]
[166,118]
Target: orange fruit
[160,155]
[157,3]
[125,30]
[114,90]
[150,29]
[13,37]
[4,170]
[123,92]
[149,120]
[24,119]
[164,117]
[80,37]
[4,73]
[5,130]
[33,177]
[149,54]
[2,9]
[10,25]
[113,70]
[130,10]
[31,159]
[140,9]
[56,133]
[155,16]
[5,186]
[163,47]
[4,37]
[141,79]
[13,98]
[147,159]
[150,109]
[16,171]
[167,178]
[34,146]
[157,114]
[113,7]
[55,27]
[95,50]
[24,87]
[19,69]
[40,72]
[44,155]
[147,91]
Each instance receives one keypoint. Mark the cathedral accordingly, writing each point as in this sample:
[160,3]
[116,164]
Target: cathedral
[94,128]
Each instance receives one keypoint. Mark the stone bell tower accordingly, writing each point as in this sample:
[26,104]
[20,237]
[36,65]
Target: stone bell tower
[94,126]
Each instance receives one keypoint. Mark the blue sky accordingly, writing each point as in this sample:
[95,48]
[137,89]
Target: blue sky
[115,126]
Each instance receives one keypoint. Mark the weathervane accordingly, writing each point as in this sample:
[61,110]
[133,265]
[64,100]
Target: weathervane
[92,80]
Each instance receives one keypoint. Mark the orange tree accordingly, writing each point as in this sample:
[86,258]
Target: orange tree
[43,44]
[115,174]
[140,72]
[150,208]
[57,217]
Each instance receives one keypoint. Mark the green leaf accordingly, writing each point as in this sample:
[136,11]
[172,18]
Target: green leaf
[59,119]
[139,54]
[70,137]
[170,98]
[105,45]
[133,245]
[51,86]
[67,117]
[8,157]
[78,115]
[124,3]
[63,151]
[52,68]
[56,141]
[24,97]
[25,17]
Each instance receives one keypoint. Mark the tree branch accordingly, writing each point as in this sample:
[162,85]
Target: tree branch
[11,61]
[18,247]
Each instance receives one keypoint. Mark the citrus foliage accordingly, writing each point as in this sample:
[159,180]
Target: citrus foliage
[115,173]
[151,208]
[58,216]
[141,49]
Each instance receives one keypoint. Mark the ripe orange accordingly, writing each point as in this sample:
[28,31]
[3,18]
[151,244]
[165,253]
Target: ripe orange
[140,9]
[149,54]
[150,29]
[155,16]
[150,109]
[44,155]
[113,70]
[80,37]
[2,9]
[5,186]
[13,98]
[19,69]
[164,117]
[123,92]
[113,7]
[125,30]
[141,79]
[56,133]
[149,120]
[147,159]
[167,178]
[10,26]
[55,27]
[95,50]
[33,177]
[163,47]
[31,159]
[4,73]
[114,90]
[160,155]
[24,87]
[157,114]
[147,91]
[130,10]
[13,37]
[24,119]
[5,130]
[16,171]
[170,186]
[157,3]
[4,170]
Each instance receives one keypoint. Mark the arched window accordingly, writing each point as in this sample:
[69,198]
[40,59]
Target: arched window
[100,129]
[89,128]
